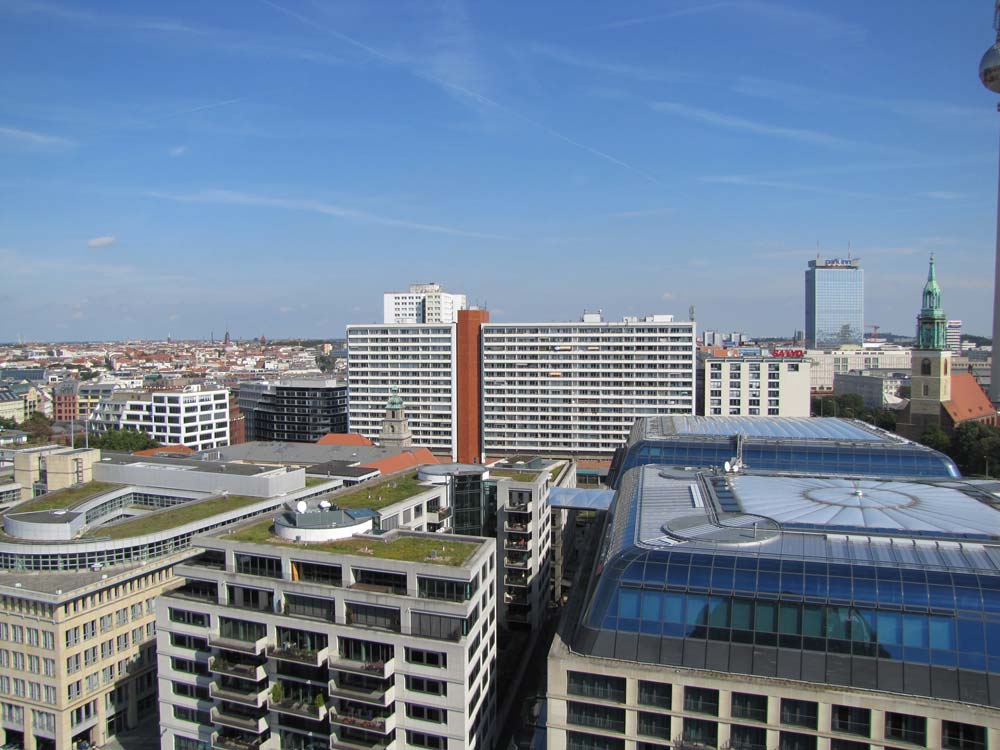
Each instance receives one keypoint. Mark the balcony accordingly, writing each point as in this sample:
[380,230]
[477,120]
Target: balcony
[234,720]
[299,655]
[521,528]
[516,580]
[379,669]
[519,507]
[379,696]
[515,598]
[377,724]
[515,544]
[442,513]
[305,709]
[236,742]
[255,698]
[243,670]
[233,644]
[511,562]
[356,743]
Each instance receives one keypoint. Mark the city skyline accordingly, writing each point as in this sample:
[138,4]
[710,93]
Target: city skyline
[276,169]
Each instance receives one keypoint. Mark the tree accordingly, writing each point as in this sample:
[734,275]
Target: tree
[125,441]
[8,424]
[976,448]
[936,438]
[38,427]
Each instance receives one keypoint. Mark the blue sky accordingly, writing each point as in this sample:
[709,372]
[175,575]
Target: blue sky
[273,166]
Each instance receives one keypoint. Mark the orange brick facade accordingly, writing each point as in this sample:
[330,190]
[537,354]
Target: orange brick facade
[469,384]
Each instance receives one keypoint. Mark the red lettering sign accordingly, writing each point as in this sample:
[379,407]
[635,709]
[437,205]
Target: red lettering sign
[788,352]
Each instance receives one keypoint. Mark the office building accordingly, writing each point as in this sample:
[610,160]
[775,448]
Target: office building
[755,386]
[835,303]
[293,409]
[839,446]
[306,631]
[576,388]
[767,611]
[953,336]
[424,303]
[196,417]
[825,365]
[879,389]
[48,468]
[80,570]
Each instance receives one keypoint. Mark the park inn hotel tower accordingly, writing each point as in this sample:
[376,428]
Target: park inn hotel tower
[835,303]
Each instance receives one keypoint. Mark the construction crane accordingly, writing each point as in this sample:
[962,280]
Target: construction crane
[874,334]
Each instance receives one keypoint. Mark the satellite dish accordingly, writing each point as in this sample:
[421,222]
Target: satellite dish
[324,504]
[301,506]
[727,466]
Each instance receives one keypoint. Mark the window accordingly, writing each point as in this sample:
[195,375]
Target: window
[256,565]
[925,367]
[185,617]
[701,700]
[851,720]
[796,741]
[425,685]
[654,725]
[654,694]
[747,738]
[596,686]
[426,713]
[799,713]
[370,616]
[958,736]
[581,741]
[907,728]
[598,717]
[700,732]
[421,739]
[438,626]
[749,706]
[836,744]
[427,658]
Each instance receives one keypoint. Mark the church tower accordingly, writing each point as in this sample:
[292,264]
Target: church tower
[930,371]
[395,426]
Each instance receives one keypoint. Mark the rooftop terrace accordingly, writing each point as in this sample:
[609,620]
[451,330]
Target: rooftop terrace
[67,498]
[399,546]
[172,517]
[382,494]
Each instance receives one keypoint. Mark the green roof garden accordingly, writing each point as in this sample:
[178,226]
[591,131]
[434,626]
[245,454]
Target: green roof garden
[177,516]
[400,546]
[381,495]
[66,498]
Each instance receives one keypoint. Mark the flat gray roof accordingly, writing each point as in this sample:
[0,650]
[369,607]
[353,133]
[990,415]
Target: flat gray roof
[805,428]
[185,464]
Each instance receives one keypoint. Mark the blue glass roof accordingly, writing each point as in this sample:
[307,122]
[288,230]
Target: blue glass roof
[808,428]
[573,498]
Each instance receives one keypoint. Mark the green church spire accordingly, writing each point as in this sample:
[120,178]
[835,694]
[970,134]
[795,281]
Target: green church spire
[932,323]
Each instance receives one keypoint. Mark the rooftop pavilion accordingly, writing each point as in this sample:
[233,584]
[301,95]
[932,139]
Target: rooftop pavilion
[808,445]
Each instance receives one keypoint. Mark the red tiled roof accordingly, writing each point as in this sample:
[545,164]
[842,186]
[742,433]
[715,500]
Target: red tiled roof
[406,459]
[348,438]
[165,450]
[968,399]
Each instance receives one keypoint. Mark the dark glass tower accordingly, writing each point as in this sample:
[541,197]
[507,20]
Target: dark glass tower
[835,303]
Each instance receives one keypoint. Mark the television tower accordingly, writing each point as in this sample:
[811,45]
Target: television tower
[989,74]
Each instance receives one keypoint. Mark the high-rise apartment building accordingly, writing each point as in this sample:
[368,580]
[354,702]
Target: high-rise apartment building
[298,410]
[558,388]
[424,303]
[835,303]
[418,361]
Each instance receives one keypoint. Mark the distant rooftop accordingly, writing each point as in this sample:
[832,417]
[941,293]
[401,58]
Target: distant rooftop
[185,464]
[65,499]
[807,428]
[376,495]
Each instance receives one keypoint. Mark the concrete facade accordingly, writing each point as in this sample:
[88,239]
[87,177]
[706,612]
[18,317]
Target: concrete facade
[755,386]
[826,364]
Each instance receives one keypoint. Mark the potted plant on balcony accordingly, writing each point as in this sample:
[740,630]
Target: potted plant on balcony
[277,692]
[319,701]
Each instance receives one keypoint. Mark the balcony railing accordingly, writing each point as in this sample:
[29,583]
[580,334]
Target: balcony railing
[313,658]
[224,742]
[255,698]
[514,580]
[234,644]
[379,696]
[516,544]
[235,720]
[305,708]
[336,743]
[521,528]
[378,668]
[378,724]
[511,562]
[244,670]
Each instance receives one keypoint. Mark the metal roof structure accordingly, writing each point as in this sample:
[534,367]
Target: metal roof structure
[780,428]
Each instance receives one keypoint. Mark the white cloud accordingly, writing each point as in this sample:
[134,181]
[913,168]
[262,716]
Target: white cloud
[104,241]
[178,151]
[33,139]
[731,122]
[668,296]
[284,310]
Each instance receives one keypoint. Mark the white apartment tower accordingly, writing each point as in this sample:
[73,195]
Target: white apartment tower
[578,387]
[416,360]
[756,386]
[196,417]
[424,303]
